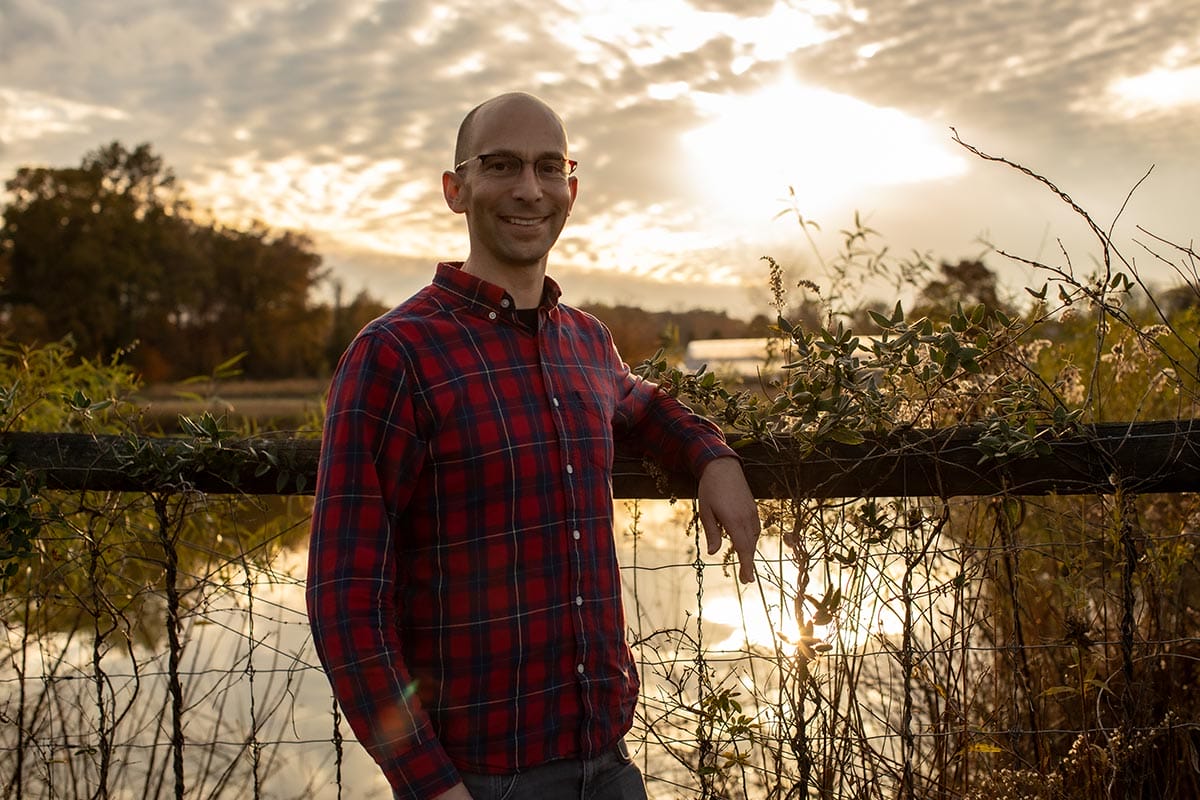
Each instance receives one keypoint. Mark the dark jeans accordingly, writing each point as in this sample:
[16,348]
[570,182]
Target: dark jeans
[609,776]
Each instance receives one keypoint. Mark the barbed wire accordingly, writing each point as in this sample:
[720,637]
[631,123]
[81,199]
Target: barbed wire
[736,701]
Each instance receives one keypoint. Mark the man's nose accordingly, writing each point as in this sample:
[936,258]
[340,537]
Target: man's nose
[527,185]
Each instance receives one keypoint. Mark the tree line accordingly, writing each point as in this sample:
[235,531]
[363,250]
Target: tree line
[112,255]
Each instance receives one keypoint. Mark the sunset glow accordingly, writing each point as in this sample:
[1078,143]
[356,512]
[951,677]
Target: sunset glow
[27,116]
[360,203]
[693,122]
[830,148]
[1159,89]
[653,33]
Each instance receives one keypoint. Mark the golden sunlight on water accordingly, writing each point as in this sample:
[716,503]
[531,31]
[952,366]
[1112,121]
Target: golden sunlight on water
[253,650]
[663,586]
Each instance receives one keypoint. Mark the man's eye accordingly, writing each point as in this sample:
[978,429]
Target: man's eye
[500,166]
[551,168]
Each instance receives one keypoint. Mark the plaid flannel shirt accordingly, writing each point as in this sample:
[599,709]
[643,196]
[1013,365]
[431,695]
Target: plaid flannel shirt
[463,586]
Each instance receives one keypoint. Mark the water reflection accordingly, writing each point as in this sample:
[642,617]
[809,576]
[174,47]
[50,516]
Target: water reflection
[258,711]
[257,705]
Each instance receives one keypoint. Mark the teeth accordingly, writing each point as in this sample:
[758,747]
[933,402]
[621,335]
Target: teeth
[521,221]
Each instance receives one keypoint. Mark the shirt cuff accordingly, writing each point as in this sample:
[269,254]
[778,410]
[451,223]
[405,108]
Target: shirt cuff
[709,453]
[422,772]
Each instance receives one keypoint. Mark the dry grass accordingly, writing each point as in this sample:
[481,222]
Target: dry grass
[291,403]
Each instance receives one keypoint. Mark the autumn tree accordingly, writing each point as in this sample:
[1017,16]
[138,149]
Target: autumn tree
[93,250]
[347,319]
[967,282]
[110,254]
[258,300]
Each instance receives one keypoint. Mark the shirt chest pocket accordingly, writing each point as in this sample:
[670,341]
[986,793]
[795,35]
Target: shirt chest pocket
[587,420]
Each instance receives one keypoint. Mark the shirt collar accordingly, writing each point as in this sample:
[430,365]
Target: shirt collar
[485,296]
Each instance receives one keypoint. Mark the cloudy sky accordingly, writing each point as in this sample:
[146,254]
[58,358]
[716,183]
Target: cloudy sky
[690,118]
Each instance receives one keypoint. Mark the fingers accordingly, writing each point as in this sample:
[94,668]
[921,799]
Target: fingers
[743,535]
[712,528]
[746,571]
[727,506]
[745,552]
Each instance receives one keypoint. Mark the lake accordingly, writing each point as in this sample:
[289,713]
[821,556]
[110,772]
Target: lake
[258,709]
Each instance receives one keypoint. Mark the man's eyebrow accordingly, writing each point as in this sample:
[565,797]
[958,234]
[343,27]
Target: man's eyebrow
[508,152]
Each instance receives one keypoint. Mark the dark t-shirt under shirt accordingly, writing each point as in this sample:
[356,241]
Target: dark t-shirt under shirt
[528,317]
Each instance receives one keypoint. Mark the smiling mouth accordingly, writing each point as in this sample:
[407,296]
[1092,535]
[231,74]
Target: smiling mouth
[525,221]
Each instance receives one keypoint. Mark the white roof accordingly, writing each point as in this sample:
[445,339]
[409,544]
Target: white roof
[743,357]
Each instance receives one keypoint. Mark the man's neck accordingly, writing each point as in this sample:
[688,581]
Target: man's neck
[525,284]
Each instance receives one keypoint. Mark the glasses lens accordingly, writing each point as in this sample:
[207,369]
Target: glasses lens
[499,165]
[553,168]
[503,165]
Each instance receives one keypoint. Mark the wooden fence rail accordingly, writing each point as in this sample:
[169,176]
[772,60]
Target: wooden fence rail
[1138,457]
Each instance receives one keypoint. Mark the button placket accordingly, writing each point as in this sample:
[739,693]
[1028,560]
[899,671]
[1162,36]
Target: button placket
[560,411]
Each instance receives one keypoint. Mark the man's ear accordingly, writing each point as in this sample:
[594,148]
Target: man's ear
[573,186]
[452,190]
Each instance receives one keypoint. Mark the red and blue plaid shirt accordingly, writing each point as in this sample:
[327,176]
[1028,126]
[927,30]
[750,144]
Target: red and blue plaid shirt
[463,585]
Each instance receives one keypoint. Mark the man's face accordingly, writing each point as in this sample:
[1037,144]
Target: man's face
[514,217]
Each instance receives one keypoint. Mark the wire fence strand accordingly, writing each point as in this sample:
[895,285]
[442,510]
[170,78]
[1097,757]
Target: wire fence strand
[163,651]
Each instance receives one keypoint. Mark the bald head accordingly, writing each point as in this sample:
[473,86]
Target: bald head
[499,106]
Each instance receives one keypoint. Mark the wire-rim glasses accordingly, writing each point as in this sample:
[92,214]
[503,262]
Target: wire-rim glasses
[507,165]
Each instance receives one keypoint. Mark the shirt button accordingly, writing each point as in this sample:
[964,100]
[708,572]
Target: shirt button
[578,601]
[555,401]
[491,315]
[575,534]
[579,669]
[570,470]
[505,303]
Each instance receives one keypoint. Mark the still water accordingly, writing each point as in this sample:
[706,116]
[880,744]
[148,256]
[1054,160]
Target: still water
[258,709]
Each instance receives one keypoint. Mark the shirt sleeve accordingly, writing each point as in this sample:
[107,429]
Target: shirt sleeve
[370,443]
[662,426]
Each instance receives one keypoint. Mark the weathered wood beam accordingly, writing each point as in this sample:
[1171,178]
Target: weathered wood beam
[1139,457]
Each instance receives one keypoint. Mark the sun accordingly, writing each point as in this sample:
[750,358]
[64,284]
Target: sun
[1161,89]
[827,150]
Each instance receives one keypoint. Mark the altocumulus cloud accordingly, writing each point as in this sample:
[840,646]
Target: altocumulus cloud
[338,117]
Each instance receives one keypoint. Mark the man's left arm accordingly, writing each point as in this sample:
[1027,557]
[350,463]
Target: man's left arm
[681,439]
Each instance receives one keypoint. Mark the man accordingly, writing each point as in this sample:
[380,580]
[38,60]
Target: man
[463,588]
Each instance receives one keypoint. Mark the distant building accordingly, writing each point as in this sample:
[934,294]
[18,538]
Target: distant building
[749,360]
[741,358]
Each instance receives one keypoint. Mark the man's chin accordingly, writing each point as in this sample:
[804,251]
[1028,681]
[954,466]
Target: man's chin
[527,259]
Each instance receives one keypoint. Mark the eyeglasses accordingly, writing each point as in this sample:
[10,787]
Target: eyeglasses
[506,165]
